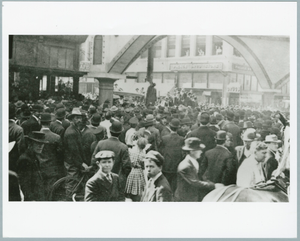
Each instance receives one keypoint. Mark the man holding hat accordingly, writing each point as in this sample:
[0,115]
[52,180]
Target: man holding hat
[218,164]
[28,168]
[170,148]
[188,182]
[122,164]
[157,188]
[33,123]
[75,161]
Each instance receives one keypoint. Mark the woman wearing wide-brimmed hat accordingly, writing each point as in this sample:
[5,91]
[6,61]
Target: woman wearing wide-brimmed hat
[28,168]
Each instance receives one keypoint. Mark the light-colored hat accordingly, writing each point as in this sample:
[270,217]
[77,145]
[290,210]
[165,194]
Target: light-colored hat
[105,155]
[75,112]
[272,138]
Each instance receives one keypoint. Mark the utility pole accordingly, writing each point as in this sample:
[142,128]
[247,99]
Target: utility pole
[149,77]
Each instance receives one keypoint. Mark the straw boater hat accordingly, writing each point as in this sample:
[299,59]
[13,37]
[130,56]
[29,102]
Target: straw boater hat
[75,112]
[272,138]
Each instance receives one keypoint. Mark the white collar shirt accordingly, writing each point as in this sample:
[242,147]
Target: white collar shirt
[194,162]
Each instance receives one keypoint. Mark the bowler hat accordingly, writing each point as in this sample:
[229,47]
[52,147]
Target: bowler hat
[175,123]
[60,113]
[248,124]
[92,109]
[37,136]
[213,120]
[149,120]
[37,107]
[193,144]
[45,117]
[105,155]
[26,113]
[204,117]
[75,112]
[96,119]
[249,135]
[221,136]
[133,120]
[230,114]
[116,127]
[186,121]
[154,155]
[272,138]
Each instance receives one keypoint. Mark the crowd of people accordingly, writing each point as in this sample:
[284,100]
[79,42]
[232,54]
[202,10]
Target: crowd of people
[172,150]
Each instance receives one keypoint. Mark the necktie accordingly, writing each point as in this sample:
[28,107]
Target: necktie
[148,190]
[108,177]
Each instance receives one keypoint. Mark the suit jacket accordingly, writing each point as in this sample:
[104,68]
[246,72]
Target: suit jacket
[188,182]
[88,138]
[156,134]
[74,155]
[122,164]
[57,128]
[235,131]
[98,188]
[219,166]
[162,191]
[170,148]
[15,134]
[31,125]
[51,158]
[240,154]
[30,177]
[206,135]
[165,131]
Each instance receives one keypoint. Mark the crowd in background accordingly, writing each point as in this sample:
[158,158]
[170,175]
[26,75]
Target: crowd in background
[172,149]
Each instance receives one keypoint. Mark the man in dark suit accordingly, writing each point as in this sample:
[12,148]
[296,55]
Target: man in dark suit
[218,164]
[233,129]
[104,185]
[51,157]
[188,182]
[170,148]
[15,134]
[157,188]
[204,133]
[122,164]
[74,156]
[33,123]
[57,125]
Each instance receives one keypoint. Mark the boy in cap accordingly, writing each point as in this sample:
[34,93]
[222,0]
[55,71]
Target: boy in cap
[157,188]
[104,186]
[188,182]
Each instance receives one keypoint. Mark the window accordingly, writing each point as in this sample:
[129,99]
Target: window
[254,83]
[185,80]
[169,78]
[215,81]
[217,46]
[98,49]
[141,78]
[157,50]
[232,78]
[171,45]
[200,45]
[185,45]
[200,80]
[247,82]
[241,80]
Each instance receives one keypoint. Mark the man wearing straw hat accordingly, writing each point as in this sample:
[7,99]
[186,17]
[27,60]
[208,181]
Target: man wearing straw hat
[28,168]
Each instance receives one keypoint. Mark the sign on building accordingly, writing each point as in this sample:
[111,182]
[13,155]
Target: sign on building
[196,66]
[234,87]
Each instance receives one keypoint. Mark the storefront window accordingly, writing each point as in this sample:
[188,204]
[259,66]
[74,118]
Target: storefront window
[215,81]
[217,46]
[200,44]
[171,45]
[241,80]
[254,83]
[141,78]
[232,78]
[247,82]
[185,80]
[185,45]
[200,80]
[169,78]
[157,78]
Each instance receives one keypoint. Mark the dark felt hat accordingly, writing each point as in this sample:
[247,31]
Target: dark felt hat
[96,119]
[37,136]
[175,123]
[221,136]
[45,117]
[193,144]
[116,127]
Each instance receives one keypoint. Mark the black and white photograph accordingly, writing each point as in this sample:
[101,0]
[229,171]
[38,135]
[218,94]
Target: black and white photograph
[186,119]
